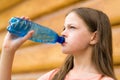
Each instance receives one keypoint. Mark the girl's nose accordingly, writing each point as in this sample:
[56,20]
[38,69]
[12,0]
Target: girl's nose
[64,33]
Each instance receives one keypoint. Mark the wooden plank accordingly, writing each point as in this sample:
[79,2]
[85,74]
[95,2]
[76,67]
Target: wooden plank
[40,57]
[6,4]
[117,72]
[116,44]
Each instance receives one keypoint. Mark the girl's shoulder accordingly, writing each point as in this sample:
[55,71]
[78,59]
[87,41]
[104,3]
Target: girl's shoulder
[107,78]
[48,75]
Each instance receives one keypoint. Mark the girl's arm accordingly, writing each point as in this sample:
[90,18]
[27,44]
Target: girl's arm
[10,45]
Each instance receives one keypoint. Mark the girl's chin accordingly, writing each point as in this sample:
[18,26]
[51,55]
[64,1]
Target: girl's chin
[65,51]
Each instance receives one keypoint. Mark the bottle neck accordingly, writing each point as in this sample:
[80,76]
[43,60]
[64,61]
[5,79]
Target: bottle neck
[61,40]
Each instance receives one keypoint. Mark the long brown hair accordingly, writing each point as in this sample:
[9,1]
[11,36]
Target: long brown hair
[102,51]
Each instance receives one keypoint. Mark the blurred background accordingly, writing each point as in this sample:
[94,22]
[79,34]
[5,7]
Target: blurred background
[34,59]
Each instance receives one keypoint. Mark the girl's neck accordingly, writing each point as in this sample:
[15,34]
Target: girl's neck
[83,62]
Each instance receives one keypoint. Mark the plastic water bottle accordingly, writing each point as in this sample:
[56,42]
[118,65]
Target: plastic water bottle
[20,27]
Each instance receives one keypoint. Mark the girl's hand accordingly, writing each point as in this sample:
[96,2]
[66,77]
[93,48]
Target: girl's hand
[12,42]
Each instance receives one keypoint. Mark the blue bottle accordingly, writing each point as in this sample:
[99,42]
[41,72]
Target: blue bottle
[42,34]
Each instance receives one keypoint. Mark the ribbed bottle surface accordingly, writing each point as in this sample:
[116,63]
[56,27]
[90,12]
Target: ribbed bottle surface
[42,34]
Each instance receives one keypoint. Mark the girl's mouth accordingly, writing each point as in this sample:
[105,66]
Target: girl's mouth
[63,44]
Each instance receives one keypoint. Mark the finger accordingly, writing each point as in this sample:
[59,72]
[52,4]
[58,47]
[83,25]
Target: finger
[26,18]
[22,17]
[7,35]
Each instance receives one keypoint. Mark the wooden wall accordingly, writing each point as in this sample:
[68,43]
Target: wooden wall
[34,58]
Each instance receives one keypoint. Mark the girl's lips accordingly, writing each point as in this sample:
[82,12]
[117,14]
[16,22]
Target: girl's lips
[63,44]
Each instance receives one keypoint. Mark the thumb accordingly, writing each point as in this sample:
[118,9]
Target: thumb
[29,35]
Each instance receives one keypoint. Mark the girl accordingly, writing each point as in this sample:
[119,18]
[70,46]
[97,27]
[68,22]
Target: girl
[86,32]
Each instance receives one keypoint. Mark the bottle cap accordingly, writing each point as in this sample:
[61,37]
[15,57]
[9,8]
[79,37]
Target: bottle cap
[61,39]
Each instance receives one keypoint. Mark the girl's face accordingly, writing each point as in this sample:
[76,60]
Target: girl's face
[76,33]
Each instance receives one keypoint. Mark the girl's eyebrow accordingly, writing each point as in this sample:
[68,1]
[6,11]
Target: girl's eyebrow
[68,25]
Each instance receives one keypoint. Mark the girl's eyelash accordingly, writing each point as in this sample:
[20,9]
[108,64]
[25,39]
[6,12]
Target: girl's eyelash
[72,27]
[68,27]
[63,28]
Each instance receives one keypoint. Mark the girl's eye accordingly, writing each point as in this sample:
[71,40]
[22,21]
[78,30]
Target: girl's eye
[72,27]
[63,28]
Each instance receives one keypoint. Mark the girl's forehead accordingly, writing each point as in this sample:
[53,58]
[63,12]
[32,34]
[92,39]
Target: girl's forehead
[73,18]
[72,15]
